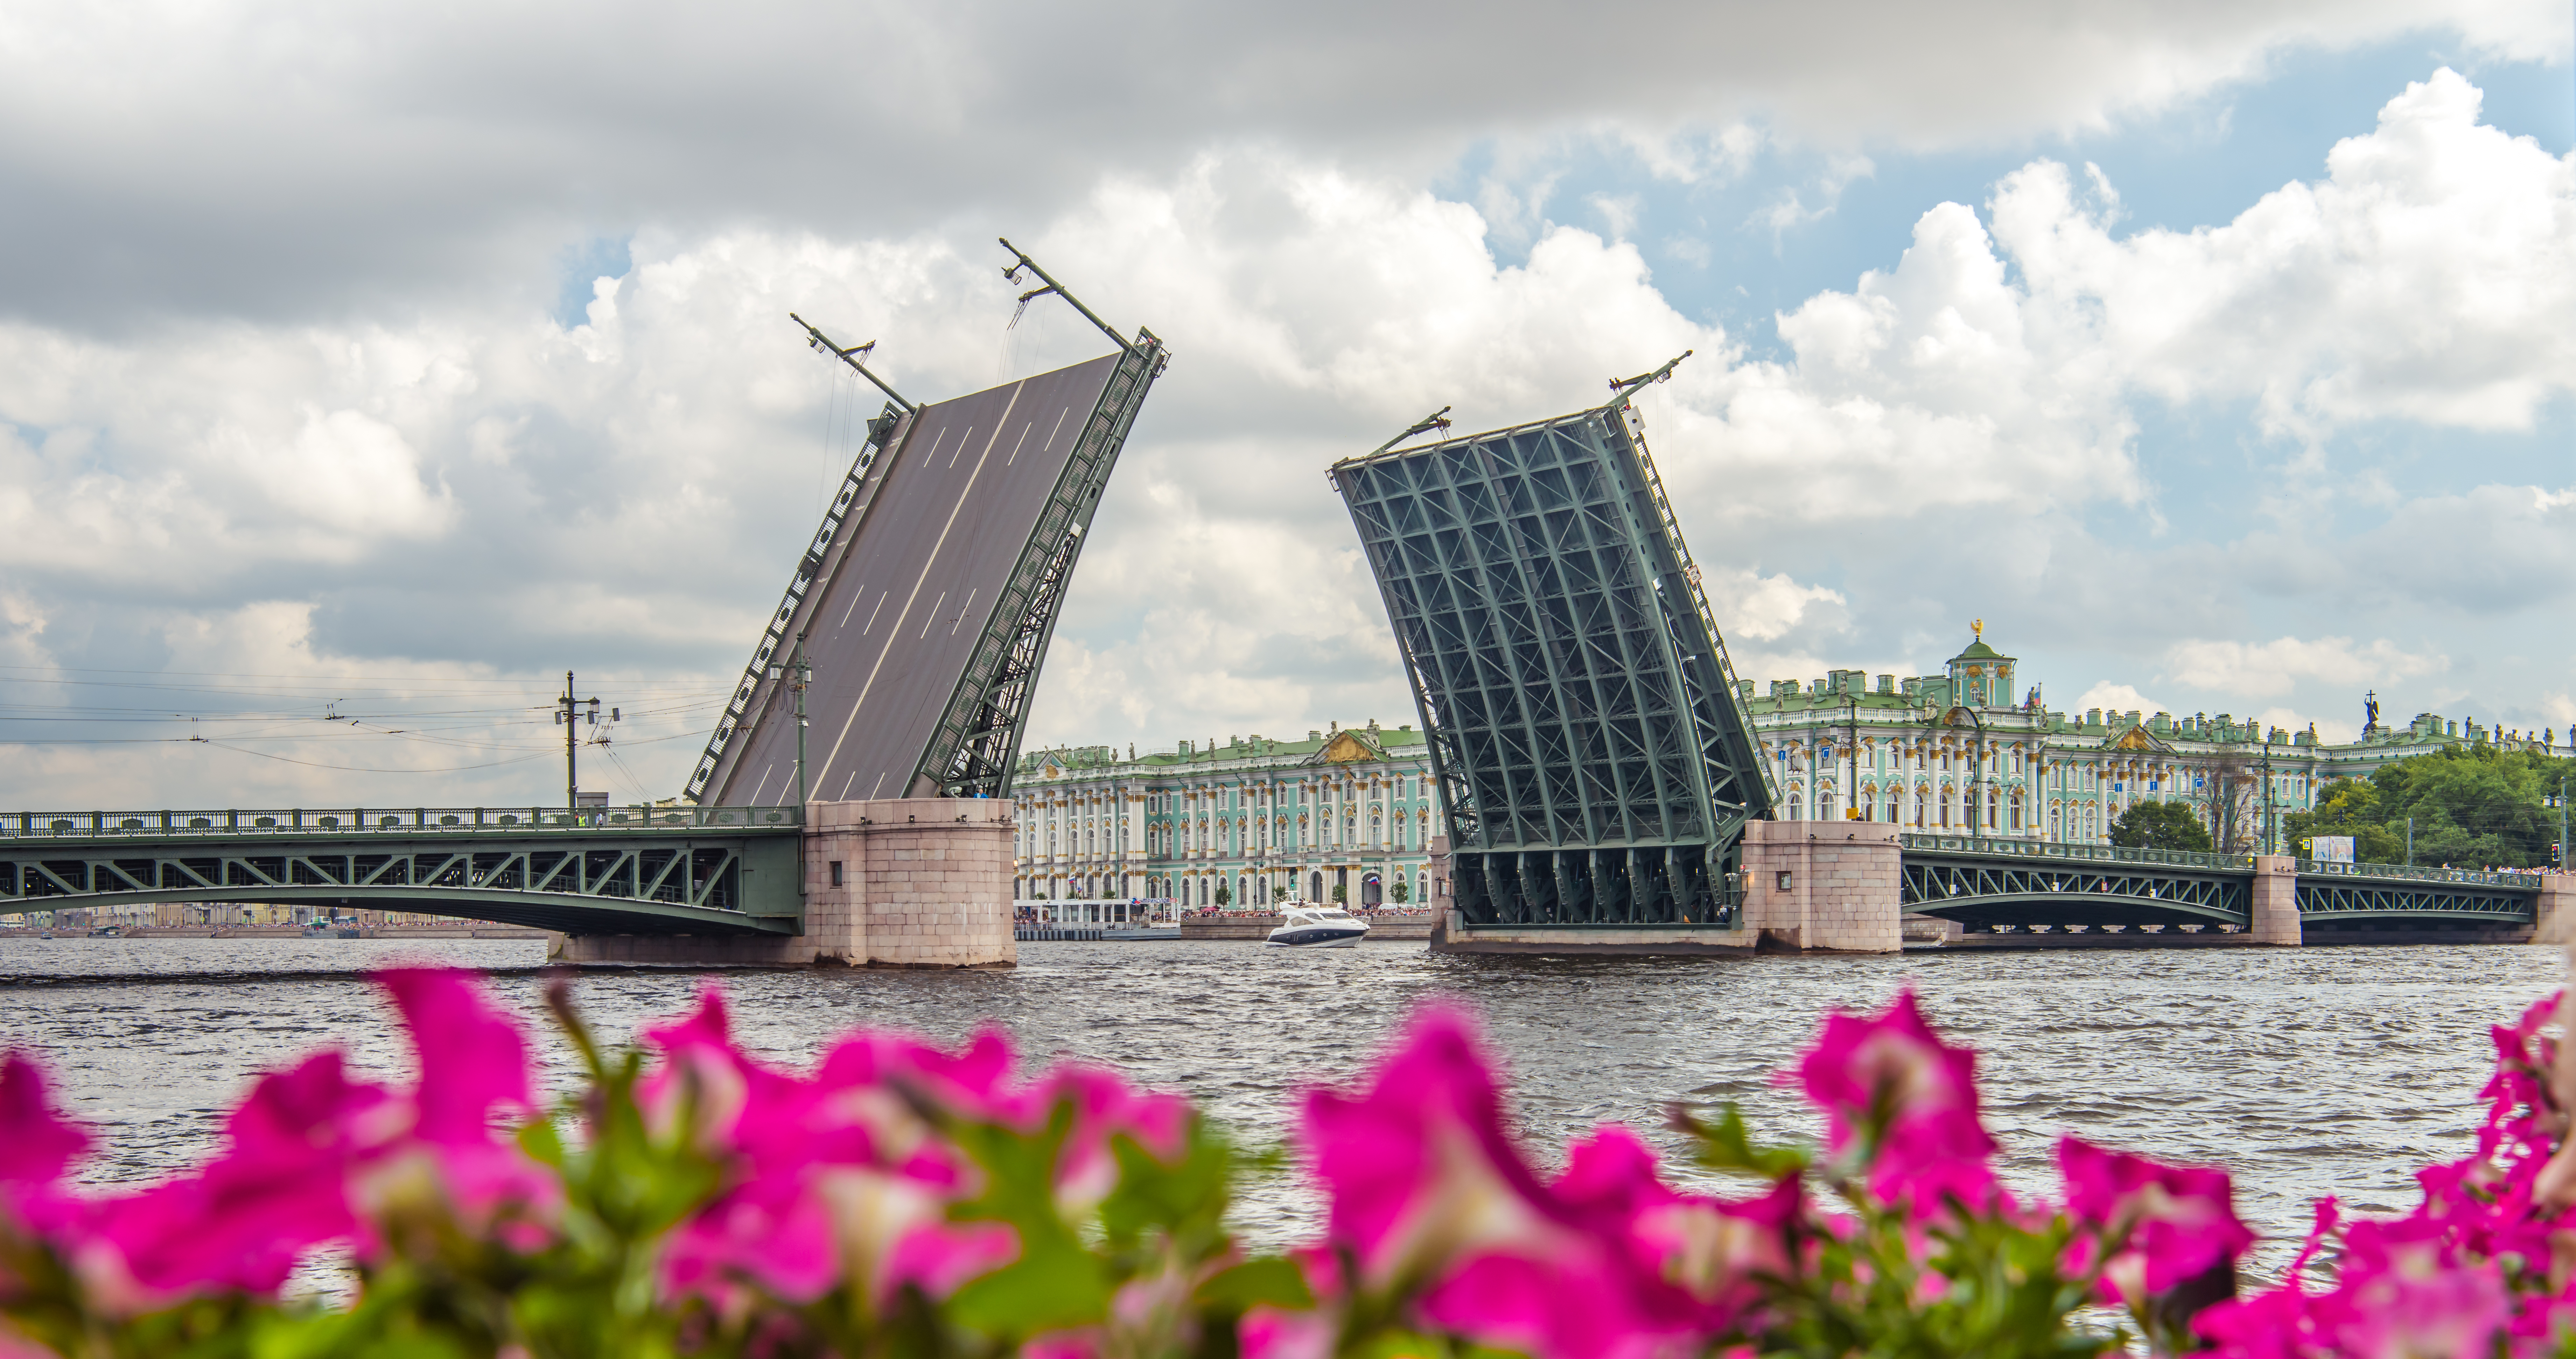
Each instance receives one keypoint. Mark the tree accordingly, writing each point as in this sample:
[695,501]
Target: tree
[2229,811]
[2160,825]
[2348,807]
[1340,894]
[2474,805]
[1277,895]
[1224,894]
[1400,892]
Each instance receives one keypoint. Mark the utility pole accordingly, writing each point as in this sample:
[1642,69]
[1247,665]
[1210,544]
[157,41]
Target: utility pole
[568,714]
[2267,790]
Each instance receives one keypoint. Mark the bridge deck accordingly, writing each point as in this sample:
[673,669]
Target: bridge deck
[728,870]
[1991,883]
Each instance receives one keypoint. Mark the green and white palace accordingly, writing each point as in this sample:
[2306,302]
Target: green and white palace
[1344,815]
[1954,752]
[1350,813]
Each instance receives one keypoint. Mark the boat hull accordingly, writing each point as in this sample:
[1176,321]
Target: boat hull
[1316,936]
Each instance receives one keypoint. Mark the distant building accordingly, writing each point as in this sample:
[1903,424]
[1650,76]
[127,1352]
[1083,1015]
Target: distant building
[1350,809]
[1954,752]
[1356,808]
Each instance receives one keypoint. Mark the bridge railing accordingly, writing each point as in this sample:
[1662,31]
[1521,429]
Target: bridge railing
[235,821]
[2044,849]
[2326,869]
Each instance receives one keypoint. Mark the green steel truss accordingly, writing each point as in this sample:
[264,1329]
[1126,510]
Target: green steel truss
[774,638]
[977,742]
[2334,902]
[683,875]
[1595,759]
[1984,892]
[2001,883]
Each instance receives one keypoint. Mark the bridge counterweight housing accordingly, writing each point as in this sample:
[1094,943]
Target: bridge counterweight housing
[1595,758]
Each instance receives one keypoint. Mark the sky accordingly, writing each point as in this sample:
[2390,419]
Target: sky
[362,371]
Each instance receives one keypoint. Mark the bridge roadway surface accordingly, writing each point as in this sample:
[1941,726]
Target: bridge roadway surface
[670,871]
[734,870]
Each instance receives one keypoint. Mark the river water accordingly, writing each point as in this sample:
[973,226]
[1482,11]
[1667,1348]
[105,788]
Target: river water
[2305,1072]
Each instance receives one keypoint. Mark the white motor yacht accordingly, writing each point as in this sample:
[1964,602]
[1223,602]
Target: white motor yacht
[1319,927]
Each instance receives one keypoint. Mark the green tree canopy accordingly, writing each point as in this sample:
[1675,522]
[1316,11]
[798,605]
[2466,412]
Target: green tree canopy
[2160,825]
[2472,806]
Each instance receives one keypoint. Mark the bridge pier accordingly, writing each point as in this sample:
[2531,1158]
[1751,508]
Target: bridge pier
[1824,886]
[2554,915]
[2276,901]
[893,882]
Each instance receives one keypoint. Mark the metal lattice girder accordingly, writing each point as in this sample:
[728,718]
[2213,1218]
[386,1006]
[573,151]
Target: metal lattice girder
[1982,891]
[1583,721]
[2330,902]
[977,742]
[689,880]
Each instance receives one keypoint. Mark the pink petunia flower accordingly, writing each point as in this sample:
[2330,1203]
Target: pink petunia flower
[844,1176]
[37,1146]
[1417,1167]
[2163,1224]
[473,1062]
[278,1190]
[1429,1195]
[1894,1092]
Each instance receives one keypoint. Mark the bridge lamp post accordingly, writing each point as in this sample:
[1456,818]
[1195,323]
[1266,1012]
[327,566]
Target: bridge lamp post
[804,675]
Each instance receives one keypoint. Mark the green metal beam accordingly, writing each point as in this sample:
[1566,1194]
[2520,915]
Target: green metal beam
[685,878]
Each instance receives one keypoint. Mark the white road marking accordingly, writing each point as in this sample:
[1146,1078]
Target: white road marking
[929,559]
[934,616]
[872,613]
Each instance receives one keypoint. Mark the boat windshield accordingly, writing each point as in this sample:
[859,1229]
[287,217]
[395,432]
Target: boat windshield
[1332,915]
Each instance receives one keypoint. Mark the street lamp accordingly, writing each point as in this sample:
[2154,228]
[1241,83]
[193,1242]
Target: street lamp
[803,676]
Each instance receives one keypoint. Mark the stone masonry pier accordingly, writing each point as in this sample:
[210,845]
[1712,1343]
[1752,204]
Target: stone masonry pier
[894,882]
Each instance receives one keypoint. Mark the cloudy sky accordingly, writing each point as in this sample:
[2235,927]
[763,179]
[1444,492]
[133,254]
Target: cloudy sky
[364,368]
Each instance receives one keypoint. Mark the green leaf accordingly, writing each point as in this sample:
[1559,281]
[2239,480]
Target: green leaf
[1272,1281]
[1049,1290]
[1725,1145]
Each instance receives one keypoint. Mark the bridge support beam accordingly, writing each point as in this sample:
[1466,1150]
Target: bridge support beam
[2276,901]
[894,882]
[1824,886]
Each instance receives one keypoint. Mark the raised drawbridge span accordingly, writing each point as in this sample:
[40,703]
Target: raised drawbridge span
[1596,761]
[900,663]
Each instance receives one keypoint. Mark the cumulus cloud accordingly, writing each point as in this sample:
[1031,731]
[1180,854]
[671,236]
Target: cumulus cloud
[2268,668]
[304,159]
[2428,277]
[479,485]
[2116,698]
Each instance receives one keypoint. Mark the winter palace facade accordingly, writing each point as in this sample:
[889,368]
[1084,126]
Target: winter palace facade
[1349,813]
